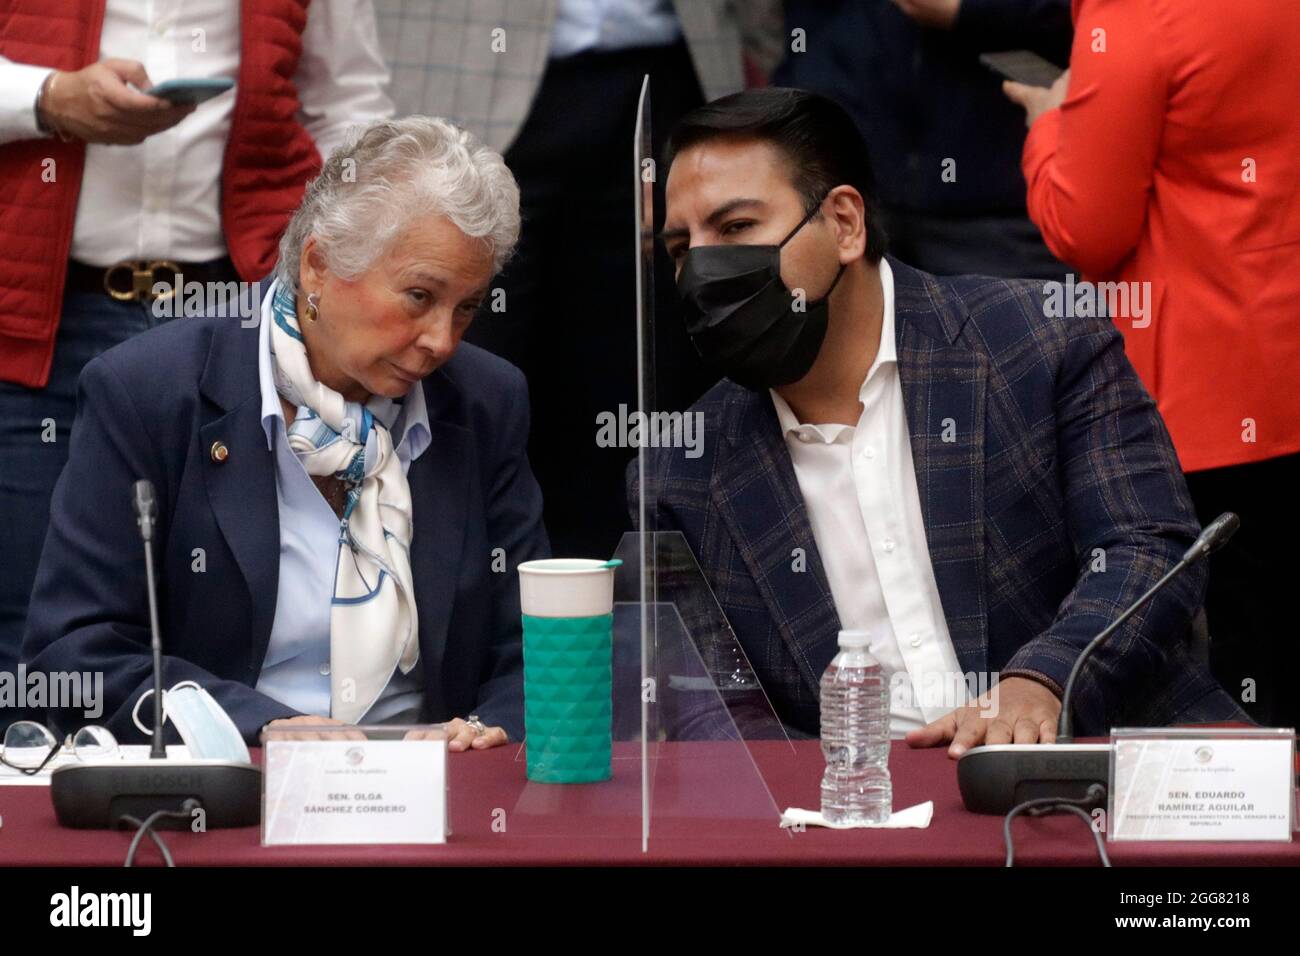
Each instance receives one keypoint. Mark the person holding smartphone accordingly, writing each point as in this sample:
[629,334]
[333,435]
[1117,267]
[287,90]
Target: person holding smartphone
[110,193]
[945,144]
[1165,165]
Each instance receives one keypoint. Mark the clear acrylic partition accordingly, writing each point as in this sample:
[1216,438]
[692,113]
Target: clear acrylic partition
[701,707]
[641,570]
[709,724]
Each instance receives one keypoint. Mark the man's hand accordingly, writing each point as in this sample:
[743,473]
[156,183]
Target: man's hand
[311,720]
[1036,100]
[97,105]
[461,736]
[1017,710]
[941,14]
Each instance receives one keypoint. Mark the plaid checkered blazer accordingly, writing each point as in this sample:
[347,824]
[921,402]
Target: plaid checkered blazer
[1056,458]
[443,61]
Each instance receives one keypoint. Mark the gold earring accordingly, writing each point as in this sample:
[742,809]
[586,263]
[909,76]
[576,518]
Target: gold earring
[313,310]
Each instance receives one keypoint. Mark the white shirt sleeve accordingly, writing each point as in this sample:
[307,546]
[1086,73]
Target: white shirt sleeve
[342,78]
[19,84]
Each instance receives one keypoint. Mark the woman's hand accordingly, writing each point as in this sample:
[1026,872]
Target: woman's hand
[1036,100]
[461,736]
[311,720]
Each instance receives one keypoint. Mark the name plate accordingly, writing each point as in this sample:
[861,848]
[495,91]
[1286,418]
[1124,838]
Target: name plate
[381,789]
[1202,785]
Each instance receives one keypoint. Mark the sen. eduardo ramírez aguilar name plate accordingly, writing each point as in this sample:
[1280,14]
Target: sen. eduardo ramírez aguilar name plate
[1188,784]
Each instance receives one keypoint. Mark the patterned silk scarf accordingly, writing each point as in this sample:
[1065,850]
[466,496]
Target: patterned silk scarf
[373,625]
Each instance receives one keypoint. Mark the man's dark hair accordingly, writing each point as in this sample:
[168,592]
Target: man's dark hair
[823,145]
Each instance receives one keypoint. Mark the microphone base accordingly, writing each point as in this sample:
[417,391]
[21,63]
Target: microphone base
[95,796]
[997,777]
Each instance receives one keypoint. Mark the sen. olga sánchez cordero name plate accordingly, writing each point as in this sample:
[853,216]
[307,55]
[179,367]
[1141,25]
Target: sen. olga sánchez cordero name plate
[384,784]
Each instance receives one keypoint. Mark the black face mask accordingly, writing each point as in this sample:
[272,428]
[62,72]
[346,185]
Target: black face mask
[741,316]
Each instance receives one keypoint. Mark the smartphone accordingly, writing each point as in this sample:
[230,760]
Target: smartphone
[1022,66]
[186,92]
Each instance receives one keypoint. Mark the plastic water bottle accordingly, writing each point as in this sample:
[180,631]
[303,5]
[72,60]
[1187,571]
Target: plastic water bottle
[855,735]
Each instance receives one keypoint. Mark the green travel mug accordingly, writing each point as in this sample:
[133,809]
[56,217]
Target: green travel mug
[568,606]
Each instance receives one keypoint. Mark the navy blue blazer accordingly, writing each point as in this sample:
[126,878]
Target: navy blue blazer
[1036,451]
[152,408]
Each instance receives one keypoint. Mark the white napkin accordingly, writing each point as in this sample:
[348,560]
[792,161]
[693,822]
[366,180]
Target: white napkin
[917,817]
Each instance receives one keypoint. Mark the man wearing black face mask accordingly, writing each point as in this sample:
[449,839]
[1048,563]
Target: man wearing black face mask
[938,461]
[743,319]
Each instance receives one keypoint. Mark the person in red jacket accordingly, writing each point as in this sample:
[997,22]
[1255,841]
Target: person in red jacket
[1165,165]
[108,194]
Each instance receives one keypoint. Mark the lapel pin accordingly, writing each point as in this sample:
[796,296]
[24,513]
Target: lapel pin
[219,452]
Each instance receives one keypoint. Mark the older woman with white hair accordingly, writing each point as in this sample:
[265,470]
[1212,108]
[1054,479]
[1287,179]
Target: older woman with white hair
[343,488]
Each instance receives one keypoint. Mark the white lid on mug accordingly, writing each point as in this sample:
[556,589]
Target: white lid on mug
[566,587]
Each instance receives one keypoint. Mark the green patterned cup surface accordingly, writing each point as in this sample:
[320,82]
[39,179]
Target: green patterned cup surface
[568,686]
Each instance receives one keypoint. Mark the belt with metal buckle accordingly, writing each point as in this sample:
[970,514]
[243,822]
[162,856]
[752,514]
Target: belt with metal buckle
[133,280]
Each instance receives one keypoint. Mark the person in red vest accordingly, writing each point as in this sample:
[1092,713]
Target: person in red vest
[107,195]
[1164,164]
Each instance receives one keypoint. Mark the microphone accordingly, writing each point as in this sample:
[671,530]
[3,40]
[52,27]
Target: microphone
[993,778]
[99,795]
[146,509]
[1214,537]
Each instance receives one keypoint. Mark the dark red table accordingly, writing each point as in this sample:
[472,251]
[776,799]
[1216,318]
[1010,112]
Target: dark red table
[708,808]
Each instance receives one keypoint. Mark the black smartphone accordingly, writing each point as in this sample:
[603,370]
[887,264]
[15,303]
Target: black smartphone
[1022,66]
[184,92]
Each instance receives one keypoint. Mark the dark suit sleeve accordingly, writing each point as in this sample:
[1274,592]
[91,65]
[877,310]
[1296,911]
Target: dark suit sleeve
[514,513]
[89,608]
[1042,26]
[1126,505]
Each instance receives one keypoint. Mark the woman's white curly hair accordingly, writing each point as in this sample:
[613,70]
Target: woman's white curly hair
[390,173]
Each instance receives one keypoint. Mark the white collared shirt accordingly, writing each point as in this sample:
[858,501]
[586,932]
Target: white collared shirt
[860,490]
[162,198]
[612,25]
